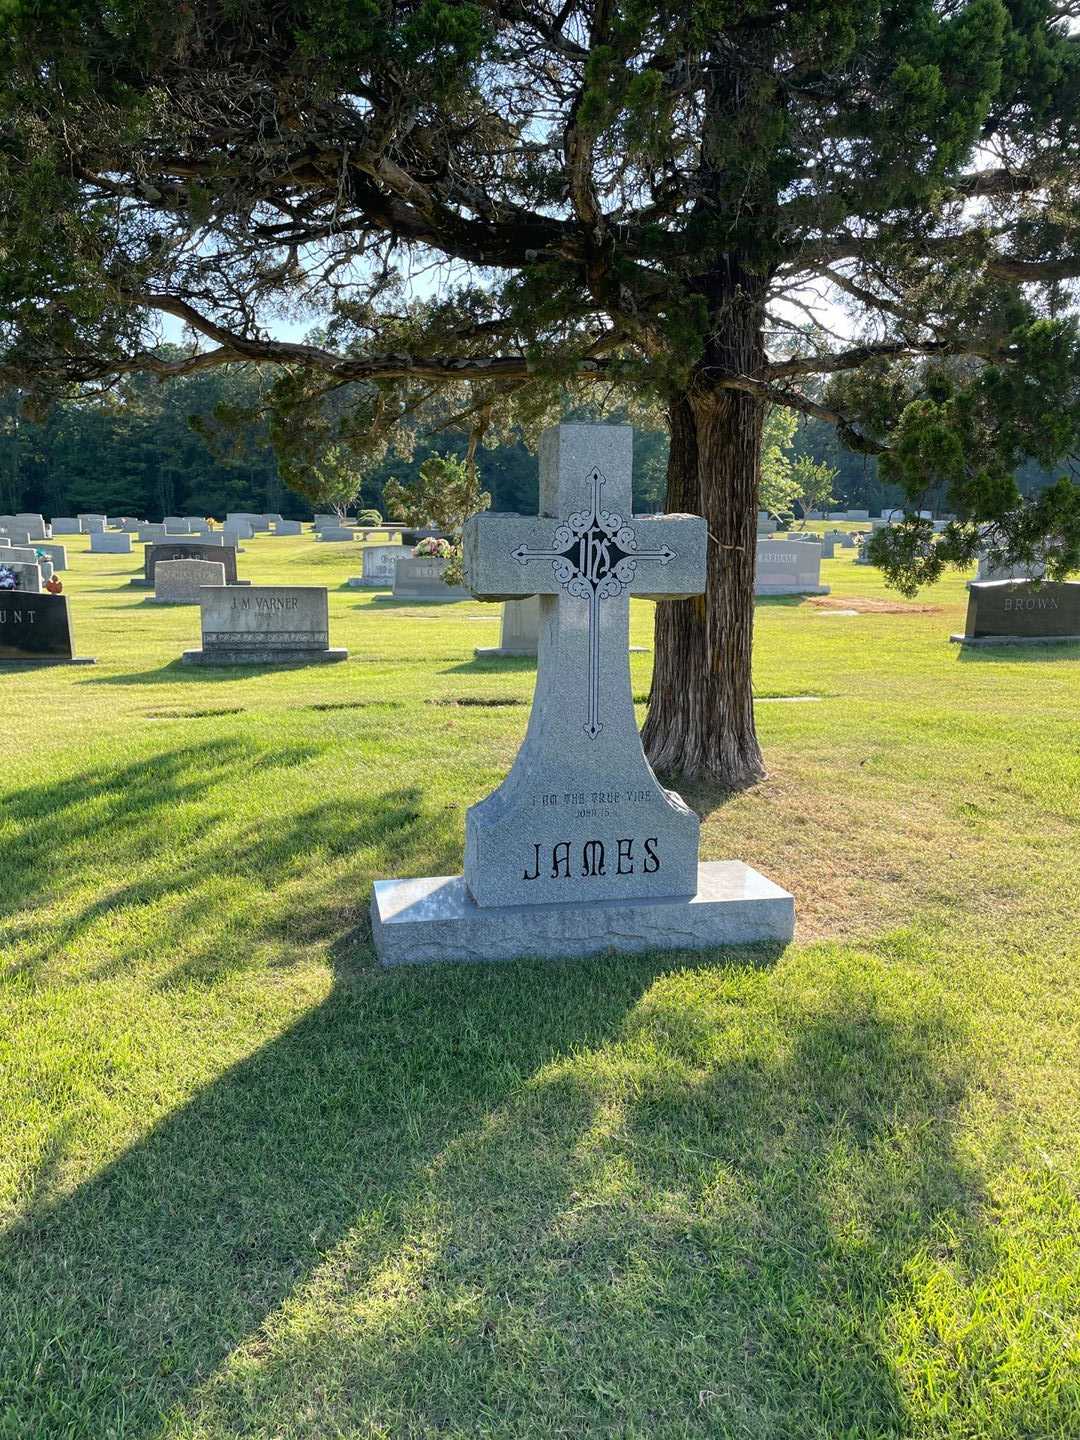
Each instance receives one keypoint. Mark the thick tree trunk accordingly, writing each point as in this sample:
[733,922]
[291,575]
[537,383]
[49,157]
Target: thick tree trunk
[701,711]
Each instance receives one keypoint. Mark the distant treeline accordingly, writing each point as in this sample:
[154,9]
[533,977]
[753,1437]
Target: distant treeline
[135,452]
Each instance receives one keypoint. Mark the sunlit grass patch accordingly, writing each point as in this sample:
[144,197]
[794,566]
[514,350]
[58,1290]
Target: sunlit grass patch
[253,1186]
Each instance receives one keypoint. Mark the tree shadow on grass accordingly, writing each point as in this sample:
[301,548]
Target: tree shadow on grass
[494,665]
[175,671]
[232,879]
[612,1196]
[564,1188]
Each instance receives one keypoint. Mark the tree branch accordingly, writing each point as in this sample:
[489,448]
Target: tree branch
[884,350]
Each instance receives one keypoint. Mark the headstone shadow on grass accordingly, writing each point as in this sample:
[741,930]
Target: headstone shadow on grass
[175,672]
[509,665]
[561,1159]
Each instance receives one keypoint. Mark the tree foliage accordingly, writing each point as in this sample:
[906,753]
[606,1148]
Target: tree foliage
[633,199]
[444,494]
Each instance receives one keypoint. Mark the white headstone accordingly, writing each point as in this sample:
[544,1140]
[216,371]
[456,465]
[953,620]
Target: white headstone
[110,542]
[379,562]
[788,567]
[27,577]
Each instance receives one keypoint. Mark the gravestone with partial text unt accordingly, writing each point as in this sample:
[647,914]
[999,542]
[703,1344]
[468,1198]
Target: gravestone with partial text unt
[580,849]
[35,629]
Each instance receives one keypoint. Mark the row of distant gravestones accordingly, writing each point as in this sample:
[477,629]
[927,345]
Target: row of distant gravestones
[580,850]
[181,563]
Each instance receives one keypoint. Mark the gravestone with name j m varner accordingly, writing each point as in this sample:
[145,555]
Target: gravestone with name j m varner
[580,850]
[265,625]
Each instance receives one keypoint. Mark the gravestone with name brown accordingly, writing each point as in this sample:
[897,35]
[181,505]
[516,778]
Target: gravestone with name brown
[1021,612]
[421,577]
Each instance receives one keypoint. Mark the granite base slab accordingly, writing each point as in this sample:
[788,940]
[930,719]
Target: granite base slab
[266,656]
[499,652]
[140,584]
[792,590]
[435,919]
[35,664]
[976,641]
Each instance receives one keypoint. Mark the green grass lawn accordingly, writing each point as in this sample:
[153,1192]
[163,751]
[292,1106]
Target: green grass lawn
[252,1186]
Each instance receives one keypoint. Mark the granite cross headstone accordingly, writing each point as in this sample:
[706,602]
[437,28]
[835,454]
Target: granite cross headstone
[580,849]
[581,814]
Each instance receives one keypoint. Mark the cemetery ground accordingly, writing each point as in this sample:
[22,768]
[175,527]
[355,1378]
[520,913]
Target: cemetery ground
[253,1185]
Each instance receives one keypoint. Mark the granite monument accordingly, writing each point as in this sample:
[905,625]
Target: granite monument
[580,850]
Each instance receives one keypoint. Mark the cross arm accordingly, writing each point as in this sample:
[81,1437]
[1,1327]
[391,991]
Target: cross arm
[506,557]
[671,556]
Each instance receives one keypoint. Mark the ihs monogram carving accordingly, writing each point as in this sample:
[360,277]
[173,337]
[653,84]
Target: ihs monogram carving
[594,556]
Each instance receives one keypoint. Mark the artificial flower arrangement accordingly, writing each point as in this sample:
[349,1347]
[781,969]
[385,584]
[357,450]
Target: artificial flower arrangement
[54,586]
[8,579]
[432,549]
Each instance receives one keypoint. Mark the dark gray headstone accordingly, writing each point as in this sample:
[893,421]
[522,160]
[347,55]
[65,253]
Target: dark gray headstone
[1021,612]
[36,629]
[188,550]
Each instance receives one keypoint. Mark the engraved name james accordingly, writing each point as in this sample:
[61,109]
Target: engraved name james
[568,858]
